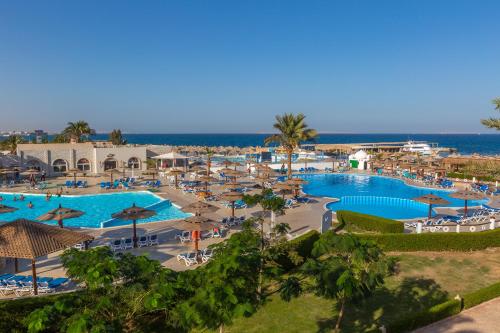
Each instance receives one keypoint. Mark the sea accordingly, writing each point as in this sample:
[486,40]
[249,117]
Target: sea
[485,144]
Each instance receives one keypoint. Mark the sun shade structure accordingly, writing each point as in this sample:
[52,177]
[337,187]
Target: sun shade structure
[30,172]
[196,224]
[30,240]
[232,197]
[431,199]
[466,195]
[176,173]
[232,185]
[283,187]
[59,214]
[150,172]
[133,214]
[207,179]
[199,207]
[112,172]
[73,172]
[6,209]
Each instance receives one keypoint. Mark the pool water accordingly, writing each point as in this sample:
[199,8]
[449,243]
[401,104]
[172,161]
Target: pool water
[98,208]
[375,195]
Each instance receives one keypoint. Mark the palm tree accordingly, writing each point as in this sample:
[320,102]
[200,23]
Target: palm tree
[493,122]
[116,137]
[11,143]
[292,131]
[209,153]
[77,130]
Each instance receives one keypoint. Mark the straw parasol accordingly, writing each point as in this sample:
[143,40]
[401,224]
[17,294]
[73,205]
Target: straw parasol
[175,173]
[233,173]
[30,172]
[6,209]
[467,195]
[59,214]
[196,224]
[232,185]
[112,172]
[284,187]
[206,179]
[232,197]
[431,199]
[133,214]
[305,160]
[199,207]
[74,172]
[150,172]
[30,240]
[297,182]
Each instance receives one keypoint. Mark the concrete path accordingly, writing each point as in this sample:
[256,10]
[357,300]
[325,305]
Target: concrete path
[483,318]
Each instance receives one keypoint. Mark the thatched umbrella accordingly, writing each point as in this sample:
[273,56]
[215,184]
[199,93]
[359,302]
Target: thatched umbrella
[175,173]
[232,197]
[6,209]
[30,240]
[74,172]
[206,179]
[305,160]
[150,172]
[233,173]
[467,195]
[133,214]
[431,199]
[297,182]
[30,172]
[262,168]
[59,214]
[199,207]
[331,159]
[283,187]
[196,223]
[112,172]
[232,185]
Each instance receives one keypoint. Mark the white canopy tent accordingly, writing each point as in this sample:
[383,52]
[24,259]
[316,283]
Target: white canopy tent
[171,160]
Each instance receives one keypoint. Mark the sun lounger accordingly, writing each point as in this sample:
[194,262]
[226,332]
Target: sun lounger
[190,259]
[184,236]
[206,255]
[127,243]
[116,245]
[153,240]
[142,241]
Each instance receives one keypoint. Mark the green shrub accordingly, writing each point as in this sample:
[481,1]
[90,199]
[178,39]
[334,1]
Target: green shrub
[426,317]
[302,245]
[369,222]
[481,295]
[466,176]
[466,241]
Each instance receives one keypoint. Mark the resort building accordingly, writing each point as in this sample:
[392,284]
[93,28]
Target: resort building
[89,157]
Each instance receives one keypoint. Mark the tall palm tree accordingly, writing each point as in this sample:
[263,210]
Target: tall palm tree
[11,143]
[209,151]
[77,130]
[116,137]
[292,131]
[493,122]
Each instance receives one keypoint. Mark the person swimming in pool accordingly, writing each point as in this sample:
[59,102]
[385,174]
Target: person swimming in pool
[59,192]
[30,205]
[21,197]
[48,196]
[14,198]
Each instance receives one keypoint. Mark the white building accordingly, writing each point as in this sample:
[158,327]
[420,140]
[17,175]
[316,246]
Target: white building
[89,157]
[360,160]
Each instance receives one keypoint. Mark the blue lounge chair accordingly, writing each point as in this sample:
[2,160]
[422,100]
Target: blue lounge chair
[68,184]
[56,283]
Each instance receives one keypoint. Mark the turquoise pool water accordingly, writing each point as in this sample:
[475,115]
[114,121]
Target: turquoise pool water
[376,195]
[98,208]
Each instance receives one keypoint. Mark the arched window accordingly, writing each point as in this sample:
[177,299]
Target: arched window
[83,164]
[60,165]
[110,163]
[34,164]
[134,163]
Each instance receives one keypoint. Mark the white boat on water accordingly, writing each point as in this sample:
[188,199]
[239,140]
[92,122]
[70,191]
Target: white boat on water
[417,147]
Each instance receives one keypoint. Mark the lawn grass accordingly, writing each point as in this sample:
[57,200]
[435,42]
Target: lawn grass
[424,279]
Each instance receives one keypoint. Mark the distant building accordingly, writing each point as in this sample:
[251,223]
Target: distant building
[38,136]
[89,157]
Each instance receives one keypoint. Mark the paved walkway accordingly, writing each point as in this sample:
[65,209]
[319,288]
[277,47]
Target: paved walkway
[483,318]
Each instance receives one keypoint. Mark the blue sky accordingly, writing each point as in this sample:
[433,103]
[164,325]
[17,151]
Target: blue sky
[231,66]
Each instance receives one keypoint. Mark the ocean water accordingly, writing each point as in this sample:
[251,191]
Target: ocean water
[487,144]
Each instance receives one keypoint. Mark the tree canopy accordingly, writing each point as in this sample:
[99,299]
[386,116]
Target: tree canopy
[493,122]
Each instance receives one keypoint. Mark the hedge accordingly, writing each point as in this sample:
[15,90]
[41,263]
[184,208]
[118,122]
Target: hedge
[443,310]
[466,176]
[369,222]
[465,241]
[303,245]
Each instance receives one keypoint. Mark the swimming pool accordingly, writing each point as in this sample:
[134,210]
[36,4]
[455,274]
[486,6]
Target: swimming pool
[375,195]
[97,207]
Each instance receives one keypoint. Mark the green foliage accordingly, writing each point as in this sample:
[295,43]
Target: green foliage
[426,317]
[465,241]
[297,250]
[292,130]
[116,137]
[60,138]
[481,295]
[79,131]
[11,143]
[493,122]
[369,222]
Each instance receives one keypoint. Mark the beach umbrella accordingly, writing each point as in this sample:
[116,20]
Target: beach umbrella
[133,214]
[233,173]
[30,240]
[466,195]
[198,168]
[331,159]
[305,160]
[232,185]
[297,182]
[431,199]
[206,179]
[150,172]
[200,207]
[112,172]
[6,209]
[284,187]
[196,224]
[30,172]
[74,172]
[175,173]
[227,163]
[59,214]
[232,197]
